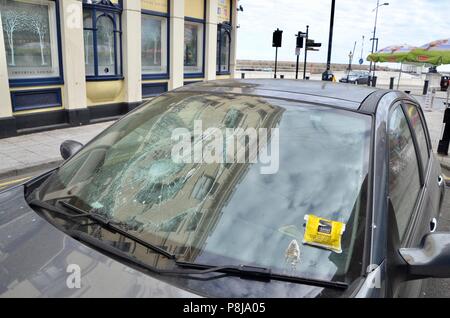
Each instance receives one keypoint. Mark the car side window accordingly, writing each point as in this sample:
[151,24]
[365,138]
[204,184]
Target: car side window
[404,177]
[419,129]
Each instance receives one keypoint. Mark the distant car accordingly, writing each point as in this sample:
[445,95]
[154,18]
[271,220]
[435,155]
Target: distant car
[445,82]
[359,78]
[348,209]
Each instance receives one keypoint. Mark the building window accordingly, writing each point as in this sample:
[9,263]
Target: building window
[30,31]
[223,48]
[193,47]
[154,45]
[102,40]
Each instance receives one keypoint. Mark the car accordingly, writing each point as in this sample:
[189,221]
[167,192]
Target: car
[236,188]
[445,82]
[356,77]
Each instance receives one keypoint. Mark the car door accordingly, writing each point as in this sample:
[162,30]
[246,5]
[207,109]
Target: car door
[409,160]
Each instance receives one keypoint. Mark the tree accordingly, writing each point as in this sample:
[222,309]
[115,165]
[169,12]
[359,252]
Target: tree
[39,26]
[12,21]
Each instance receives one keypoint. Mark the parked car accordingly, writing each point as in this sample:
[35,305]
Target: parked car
[356,77]
[345,205]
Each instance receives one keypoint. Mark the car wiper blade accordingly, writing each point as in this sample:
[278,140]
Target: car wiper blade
[100,220]
[47,206]
[259,273]
[242,271]
[116,227]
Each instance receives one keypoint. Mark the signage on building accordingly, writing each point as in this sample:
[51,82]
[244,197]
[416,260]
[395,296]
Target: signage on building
[224,11]
[155,5]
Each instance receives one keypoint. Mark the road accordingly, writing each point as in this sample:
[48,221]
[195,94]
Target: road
[432,288]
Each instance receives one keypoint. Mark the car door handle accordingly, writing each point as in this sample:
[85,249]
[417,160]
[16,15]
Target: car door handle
[433,225]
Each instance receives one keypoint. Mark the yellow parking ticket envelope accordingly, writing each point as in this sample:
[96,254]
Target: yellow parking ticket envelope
[323,233]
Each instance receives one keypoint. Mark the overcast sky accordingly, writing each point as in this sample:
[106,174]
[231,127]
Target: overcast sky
[415,22]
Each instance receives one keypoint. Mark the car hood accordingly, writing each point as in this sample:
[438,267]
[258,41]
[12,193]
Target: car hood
[38,260]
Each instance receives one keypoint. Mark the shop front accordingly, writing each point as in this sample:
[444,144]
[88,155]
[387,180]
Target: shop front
[68,63]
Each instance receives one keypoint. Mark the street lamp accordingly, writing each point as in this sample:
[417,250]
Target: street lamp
[375,34]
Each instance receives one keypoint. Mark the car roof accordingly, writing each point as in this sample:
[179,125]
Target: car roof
[318,92]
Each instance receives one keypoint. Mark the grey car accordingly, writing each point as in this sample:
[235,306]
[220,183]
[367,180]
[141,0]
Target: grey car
[124,216]
[356,77]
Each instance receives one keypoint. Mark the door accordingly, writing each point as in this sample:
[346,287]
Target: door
[409,161]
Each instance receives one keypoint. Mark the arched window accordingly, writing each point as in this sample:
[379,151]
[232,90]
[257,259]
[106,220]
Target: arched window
[102,40]
[223,48]
[106,51]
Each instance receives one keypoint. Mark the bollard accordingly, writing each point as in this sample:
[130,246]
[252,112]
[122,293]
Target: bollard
[369,80]
[426,86]
[242,75]
[282,76]
[391,83]
[445,142]
[374,81]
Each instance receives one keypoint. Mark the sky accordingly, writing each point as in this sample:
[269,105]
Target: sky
[415,22]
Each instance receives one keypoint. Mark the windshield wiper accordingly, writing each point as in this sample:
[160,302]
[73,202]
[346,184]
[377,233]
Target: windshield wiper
[242,271]
[260,274]
[100,220]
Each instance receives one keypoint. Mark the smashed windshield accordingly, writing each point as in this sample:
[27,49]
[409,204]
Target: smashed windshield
[231,179]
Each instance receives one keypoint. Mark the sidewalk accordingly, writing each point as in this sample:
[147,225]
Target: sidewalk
[30,153]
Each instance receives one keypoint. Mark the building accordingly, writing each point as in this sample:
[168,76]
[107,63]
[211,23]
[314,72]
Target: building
[74,62]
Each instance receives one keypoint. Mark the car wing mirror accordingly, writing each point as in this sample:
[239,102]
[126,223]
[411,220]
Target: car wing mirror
[432,259]
[69,147]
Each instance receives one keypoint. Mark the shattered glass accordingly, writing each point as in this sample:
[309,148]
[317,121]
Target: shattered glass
[228,213]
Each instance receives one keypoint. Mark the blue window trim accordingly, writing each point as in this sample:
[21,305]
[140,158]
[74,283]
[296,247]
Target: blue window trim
[223,27]
[43,81]
[114,12]
[104,78]
[203,22]
[34,92]
[167,16]
[163,85]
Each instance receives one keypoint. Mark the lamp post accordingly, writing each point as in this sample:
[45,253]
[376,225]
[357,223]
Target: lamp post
[306,52]
[375,35]
[330,40]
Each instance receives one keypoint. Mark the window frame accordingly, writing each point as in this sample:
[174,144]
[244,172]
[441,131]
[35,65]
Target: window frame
[46,81]
[223,28]
[167,17]
[111,11]
[424,168]
[416,208]
[201,74]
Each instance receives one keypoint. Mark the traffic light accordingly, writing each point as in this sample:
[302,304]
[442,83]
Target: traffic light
[300,40]
[277,38]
